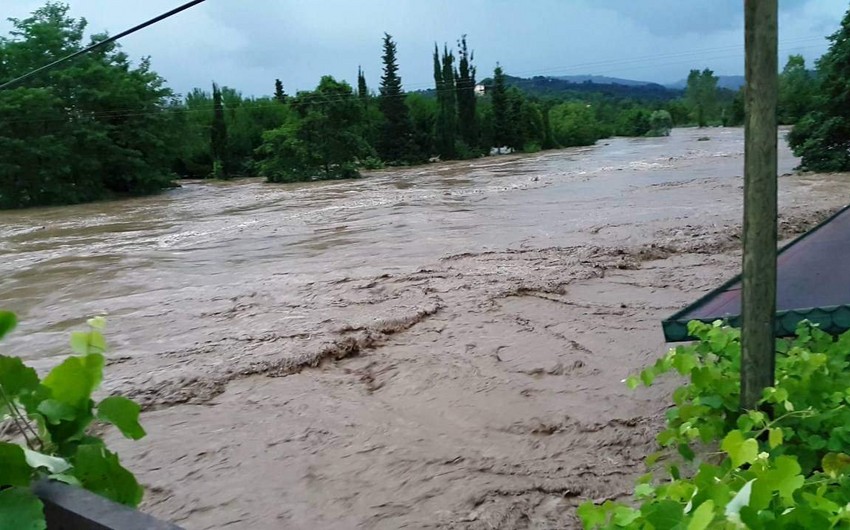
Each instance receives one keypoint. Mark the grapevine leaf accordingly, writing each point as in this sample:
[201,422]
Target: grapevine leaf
[100,471]
[8,321]
[835,464]
[632,382]
[21,510]
[56,411]
[625,516]
[53,464]
[664,515]
[740,450]
[775,438]
[74,380]
[14,470]
[591,515]
[785,478]
[16,377]
[702,516]
[98,323]
[124,414]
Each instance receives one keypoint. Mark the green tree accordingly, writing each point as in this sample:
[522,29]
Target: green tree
[279,94]
[467,101]
[633,122]
[396,145]
[444,78]
[322,141]
[701,95]
[218,136]
[660,123]
[362,88]
[797,89]
[97,127]
[574,124]
[501,127]
[822,137]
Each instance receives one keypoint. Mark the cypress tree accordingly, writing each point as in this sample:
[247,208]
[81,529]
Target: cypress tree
[501,124]
[396,143]
[362,89]
[466,99]
[218,135]
[447,102]
[279,94]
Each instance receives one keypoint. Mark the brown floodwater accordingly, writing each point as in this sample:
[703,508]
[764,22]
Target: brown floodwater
[464,327]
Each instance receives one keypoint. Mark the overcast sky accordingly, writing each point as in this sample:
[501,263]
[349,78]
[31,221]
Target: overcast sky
[246,44]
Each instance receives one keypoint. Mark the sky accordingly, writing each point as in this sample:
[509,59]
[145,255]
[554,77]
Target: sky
[247,44]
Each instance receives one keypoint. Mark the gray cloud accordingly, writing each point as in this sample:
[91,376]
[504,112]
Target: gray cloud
[247,44]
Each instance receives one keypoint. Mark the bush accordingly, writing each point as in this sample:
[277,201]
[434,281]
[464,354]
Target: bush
[53,416]
[785,465]
[660,122]
[372,163]
[531,147]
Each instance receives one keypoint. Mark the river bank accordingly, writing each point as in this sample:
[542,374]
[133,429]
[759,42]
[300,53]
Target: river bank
[440,346]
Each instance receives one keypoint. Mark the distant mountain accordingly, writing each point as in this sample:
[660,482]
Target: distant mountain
[602,80]
[730,82]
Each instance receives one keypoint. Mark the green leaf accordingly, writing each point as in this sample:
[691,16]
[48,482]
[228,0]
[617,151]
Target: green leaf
[53,464]
[632,382]
[703,516]
[100,471]
[98,323]
[73,381]
[664,515]
[775,438]
[785,478]
[8,321]
[124,414]
[644,490]
[14,469]
[21,510]
[88,342]
[16,377]
[647,377]
[591,515]
[625,516]
[56,411]
[835,464]
[740,450]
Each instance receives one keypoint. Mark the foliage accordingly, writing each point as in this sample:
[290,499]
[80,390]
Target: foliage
[279,94]
[218,136]
[53,416]
[444,78]
[822,137]
[701,96]
[797,89]
[660,123]
[466,99]
[96,128]
[501,119]
[785,465]
[325,140]
[574,124]
[395,145]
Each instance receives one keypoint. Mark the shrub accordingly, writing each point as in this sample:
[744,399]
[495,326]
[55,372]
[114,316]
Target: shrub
[785,465]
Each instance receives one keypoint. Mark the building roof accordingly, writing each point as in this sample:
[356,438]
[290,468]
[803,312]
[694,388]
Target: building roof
[813,283]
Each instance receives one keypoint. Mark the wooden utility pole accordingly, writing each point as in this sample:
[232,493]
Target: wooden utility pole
[760,198]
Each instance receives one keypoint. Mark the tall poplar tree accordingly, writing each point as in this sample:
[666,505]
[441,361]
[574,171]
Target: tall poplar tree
[218,135]
[466,99]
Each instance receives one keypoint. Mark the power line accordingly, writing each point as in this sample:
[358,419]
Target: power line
[102,43]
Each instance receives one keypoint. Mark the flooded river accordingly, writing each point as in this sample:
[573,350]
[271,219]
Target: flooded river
[439,346]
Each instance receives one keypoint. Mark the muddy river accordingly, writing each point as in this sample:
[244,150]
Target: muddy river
[435,347]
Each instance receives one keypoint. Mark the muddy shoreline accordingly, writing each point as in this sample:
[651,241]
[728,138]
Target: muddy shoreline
[437,347]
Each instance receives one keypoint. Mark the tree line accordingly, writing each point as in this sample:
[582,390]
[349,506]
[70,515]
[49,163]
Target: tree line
[102,127]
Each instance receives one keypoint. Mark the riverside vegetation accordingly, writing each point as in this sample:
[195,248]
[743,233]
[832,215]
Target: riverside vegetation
[103,127]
